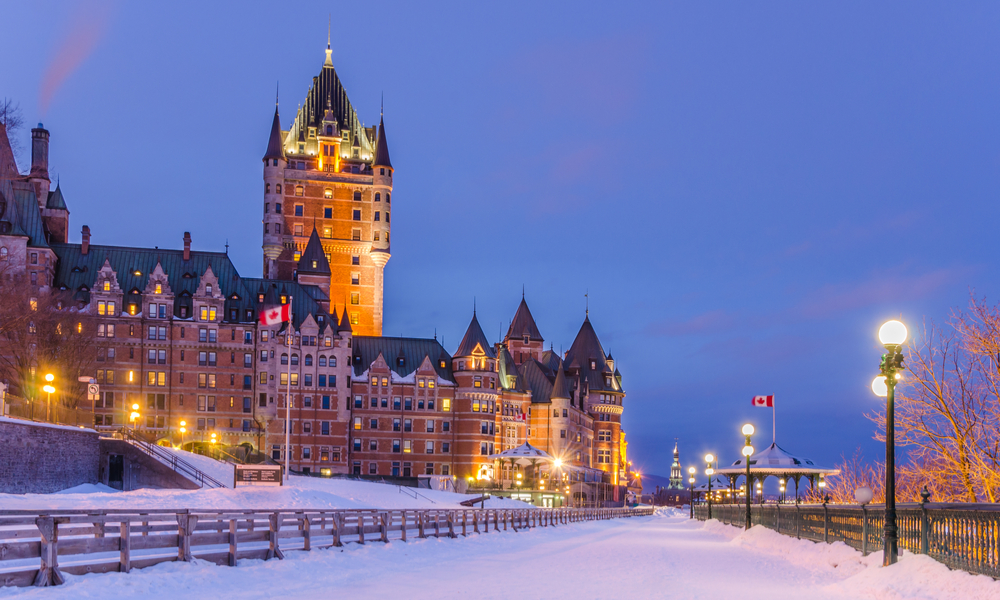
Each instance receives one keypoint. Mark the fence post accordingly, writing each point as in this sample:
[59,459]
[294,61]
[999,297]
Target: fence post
[274,550]
[360,519]
[437,524]
[48,573]
[925,522]
[798,519]
[451,523]
[420,522]
[185,527]
[826,523]
[125,547]
[496,524]
[232,542]
[306,532]
[338,525]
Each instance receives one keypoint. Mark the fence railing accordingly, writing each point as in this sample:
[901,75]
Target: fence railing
[38,548]
[41,411]
[171,460]
[962,536]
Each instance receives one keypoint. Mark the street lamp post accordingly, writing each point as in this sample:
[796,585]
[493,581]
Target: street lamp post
[892,334]
[48,389]
[183,429]
[709,460]
[134,416]
[747,453]
[691,472]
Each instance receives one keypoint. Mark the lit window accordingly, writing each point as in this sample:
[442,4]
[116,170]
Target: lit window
[299,191]
[107,286]
[446,404]
[298,229]
[159,289]
[375,236]
[355,298]
[327,232]
[328,193]
[354,318]
[298,255]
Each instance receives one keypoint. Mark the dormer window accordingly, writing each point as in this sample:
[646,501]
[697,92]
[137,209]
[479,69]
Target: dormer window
[208,289]
[158,289]
[107,286]
[593,365]
[400,361]
[315,264]
[260,297]
[284,299]
[329,130]
[527,339]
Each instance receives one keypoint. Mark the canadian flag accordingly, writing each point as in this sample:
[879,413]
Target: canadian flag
[763,401]
[276,314]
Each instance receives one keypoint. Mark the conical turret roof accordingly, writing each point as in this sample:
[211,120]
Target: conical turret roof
[313,260]
[560,389]
[474,336]
[345,323]
[382,147]
[524,324]
[275,144]
[55,199]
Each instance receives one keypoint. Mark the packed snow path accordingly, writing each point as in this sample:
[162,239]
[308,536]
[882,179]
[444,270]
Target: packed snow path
[663,556]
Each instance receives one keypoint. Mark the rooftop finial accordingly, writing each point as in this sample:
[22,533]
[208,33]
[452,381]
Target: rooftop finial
[473,306]
[329,52]
[522,291]
[587,296]
[227,246]
[276,90]
[381,110]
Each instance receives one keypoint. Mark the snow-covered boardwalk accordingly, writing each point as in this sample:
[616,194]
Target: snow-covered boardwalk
[663,556]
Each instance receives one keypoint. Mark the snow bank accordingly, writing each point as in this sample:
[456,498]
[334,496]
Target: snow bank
[217,469]
[857,576]
[16,421]
[300,493]
[89,488]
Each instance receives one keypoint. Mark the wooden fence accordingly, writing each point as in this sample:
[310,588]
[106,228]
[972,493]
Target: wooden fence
[962,536]
[36,549]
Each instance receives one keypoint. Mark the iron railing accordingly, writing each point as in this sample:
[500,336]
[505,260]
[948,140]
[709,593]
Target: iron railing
[962,536]
[168,458]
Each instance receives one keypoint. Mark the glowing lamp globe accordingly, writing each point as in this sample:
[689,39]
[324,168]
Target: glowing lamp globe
[692,470]
[557,463]
[879,387]
[892,333]
[49,389]
[863,495]
[747,451]
[748,429]
[50,377]
[709,458]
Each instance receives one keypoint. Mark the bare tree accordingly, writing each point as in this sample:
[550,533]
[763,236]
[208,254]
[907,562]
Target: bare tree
[13,121]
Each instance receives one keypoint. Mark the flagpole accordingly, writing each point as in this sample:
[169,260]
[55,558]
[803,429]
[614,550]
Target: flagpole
[288,393]
[774,435]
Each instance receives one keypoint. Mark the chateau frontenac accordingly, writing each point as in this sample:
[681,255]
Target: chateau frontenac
[177,331]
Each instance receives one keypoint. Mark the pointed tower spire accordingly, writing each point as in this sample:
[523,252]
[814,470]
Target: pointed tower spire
[275,145]
[381,146]
[474,337]
[560,389]
[329,51]
[313,260]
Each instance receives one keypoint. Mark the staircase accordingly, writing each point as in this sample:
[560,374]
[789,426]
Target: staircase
[178,465]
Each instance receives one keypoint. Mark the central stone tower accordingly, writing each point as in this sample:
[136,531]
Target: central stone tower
[329,173]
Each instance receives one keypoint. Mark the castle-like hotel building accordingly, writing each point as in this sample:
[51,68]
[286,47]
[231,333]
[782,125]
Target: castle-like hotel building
[177,331]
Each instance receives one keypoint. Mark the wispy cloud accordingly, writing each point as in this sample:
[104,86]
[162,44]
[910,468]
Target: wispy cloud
[833,299]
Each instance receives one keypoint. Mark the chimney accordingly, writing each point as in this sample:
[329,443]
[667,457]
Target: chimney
[40,152]
[187,245]
[85,246]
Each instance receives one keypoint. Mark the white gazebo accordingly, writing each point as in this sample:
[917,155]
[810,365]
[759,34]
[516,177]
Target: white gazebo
[777,462]
[524,455]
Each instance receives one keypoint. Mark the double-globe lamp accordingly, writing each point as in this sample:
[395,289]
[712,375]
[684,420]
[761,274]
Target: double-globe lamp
[709,461]
[691,472]
[892,334]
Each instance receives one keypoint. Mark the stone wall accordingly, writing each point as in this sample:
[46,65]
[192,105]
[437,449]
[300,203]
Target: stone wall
[42,458]
[139,469]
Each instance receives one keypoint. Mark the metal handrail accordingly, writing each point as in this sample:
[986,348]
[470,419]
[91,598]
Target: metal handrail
[964,536]
[177,464]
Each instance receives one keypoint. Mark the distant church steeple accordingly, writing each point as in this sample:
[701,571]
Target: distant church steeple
[676,474]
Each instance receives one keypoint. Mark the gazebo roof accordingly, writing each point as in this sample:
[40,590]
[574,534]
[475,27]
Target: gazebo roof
[774,460]
[523,452]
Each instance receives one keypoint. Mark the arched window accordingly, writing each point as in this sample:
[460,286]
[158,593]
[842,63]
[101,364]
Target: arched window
[333,361]
[267,188]
[309,360]
[295,359]
[329,130]
[284,359]
[328,193]
[299,190]
[3,252]
[278,186]
[378,197]
[322,361]
[388,197]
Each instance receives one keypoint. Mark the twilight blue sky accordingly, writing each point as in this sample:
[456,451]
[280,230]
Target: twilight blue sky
[747,191]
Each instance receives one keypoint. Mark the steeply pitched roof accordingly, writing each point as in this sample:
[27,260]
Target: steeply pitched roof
[29,215]
[587,347]
[326,91]
[474,336]
[536,379]
[275,145]
[382,147]
[303,298]
[56,200]
[524,324]
[313,260]
[366,349]
[345,323]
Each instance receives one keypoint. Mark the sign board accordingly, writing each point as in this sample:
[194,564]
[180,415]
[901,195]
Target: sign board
[257,475]
[93,391]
